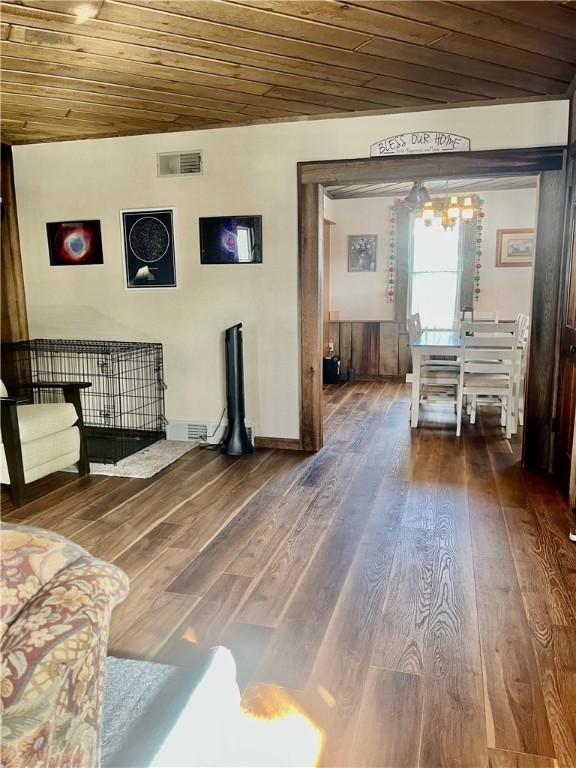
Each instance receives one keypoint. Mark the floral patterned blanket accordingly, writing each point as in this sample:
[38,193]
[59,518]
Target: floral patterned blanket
[55,607]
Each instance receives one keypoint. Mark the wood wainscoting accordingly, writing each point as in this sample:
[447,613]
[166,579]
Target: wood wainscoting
[374,348]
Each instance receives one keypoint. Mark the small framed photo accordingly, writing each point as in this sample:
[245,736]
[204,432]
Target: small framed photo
[73,243]
[362,253]
[515,247]
[149,254]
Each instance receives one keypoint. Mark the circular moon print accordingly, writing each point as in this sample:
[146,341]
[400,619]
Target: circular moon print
[149,239]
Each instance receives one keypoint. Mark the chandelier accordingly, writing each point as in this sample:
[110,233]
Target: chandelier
[449,210]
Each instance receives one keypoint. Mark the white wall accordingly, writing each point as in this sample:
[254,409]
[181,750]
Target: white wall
[360,295]
[506,290]
[246,170]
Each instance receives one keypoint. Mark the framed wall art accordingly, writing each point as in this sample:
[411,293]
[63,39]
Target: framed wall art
[362,253]
[74,243]
[515,247]
[149,253]
[231,240]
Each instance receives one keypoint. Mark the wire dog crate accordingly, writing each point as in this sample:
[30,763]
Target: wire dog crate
[123,409]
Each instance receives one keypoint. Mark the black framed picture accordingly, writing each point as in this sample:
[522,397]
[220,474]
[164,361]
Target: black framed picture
[149,254]
[231,240]
[74,243]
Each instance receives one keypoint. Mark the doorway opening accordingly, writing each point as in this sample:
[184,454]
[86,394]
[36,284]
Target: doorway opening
[536,172]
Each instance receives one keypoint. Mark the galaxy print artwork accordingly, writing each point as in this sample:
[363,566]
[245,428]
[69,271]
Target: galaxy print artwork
[149,256]
[231,240]
[74,243]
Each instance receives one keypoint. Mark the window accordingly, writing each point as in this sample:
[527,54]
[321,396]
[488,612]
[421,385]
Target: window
[434,286]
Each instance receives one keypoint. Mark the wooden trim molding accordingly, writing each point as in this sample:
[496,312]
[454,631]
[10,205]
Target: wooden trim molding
[14,320]
[283,443]
[453,165]
[547,162]
[544,326]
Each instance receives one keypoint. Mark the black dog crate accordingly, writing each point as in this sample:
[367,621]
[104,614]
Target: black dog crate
[124,407]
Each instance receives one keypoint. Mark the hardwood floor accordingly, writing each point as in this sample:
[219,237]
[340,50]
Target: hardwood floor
[415,593]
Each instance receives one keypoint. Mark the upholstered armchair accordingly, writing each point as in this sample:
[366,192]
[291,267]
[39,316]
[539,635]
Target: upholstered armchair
[55,613]
[40,438]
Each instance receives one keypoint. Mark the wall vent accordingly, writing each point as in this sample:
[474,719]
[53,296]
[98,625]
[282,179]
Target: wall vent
[197,432]
[201,431]
[179,163]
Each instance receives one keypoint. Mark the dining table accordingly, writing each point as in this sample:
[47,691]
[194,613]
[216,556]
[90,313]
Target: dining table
[436,343]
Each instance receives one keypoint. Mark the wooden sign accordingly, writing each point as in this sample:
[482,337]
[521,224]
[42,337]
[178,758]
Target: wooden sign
[420,142]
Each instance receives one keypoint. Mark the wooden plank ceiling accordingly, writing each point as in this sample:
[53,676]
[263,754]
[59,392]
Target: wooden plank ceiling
[89,68]
[434,187]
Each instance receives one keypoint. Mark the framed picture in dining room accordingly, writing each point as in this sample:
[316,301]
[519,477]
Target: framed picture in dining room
[515,247]
[362,253]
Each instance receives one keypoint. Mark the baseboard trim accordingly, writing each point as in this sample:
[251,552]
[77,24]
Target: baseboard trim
[285,443]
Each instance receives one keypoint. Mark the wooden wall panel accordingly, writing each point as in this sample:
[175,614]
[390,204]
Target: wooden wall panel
[345,347]
[388,362]
[14,319]
[365,348]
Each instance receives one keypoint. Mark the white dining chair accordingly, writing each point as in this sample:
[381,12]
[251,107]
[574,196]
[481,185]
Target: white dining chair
[438,378]
[521,362]
[488,368]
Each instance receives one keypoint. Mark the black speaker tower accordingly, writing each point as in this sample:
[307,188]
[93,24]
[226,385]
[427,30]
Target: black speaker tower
[236,441]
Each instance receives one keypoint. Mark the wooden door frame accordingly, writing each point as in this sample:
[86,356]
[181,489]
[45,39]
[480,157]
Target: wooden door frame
[546,162]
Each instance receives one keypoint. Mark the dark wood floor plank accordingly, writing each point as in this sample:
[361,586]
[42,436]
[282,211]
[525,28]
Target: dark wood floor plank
[298,638]
[499,758]
[151,582]
[516,713]
[342,665]
[453,725]
[389,720]
[556,657]
[149,633]
[403,626]
[452,638]
[547,596]
[277,584]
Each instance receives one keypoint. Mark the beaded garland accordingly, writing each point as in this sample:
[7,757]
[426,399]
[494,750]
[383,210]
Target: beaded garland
[391,289]
[480,214]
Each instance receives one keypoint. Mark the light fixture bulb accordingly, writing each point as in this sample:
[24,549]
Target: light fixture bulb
[467,209]
[428,213]
[453,208]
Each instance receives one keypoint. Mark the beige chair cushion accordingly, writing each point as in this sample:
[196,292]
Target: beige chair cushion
[3,390]
[45,455]
[39,420]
